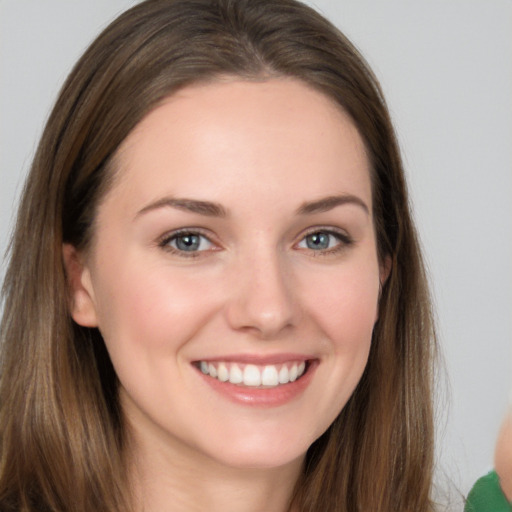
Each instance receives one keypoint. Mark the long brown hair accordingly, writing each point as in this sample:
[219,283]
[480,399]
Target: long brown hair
[61,429]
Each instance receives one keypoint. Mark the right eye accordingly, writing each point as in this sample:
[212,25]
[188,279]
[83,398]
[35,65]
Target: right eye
[187,243]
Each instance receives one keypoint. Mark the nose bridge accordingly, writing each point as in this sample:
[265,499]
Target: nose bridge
[262,295]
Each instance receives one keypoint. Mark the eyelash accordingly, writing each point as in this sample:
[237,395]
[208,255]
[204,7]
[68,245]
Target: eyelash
[342,238]
[167,239]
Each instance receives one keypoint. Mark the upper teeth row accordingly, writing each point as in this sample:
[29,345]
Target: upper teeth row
[252,375]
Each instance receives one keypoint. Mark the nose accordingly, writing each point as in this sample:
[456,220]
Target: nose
[262,299]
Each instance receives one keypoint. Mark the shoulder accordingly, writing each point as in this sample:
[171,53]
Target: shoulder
[487,496]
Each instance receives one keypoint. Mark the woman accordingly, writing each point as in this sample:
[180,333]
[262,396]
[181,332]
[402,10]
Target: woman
[224,303]
[493,492]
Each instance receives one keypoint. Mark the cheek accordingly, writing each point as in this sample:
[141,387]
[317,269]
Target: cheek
[345,305]
[148,309]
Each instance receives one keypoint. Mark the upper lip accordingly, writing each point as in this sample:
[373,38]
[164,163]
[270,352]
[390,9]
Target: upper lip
[258,359]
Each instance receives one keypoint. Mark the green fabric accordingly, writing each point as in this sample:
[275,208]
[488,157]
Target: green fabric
[487,496]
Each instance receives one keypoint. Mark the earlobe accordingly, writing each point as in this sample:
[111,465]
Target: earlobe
[81,294]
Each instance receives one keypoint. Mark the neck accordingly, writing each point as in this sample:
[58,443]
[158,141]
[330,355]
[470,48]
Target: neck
[167,479]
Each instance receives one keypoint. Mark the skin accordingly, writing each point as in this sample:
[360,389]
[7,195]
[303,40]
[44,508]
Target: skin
[503,456]
[260,151]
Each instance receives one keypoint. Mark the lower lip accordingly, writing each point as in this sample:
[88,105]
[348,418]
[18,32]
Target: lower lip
[263,397]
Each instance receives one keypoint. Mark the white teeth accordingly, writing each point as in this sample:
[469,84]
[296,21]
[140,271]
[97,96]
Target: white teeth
[270,377]
[284,376]
[212,370]
[293,373]
[252,375]
[235,375]
[223,372]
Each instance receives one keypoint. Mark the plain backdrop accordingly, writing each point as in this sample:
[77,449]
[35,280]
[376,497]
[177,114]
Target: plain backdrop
[446,70]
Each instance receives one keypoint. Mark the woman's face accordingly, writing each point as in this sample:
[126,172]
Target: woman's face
[233,271]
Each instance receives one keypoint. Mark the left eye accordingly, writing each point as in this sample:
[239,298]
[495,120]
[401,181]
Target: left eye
[320,241]
[189,242]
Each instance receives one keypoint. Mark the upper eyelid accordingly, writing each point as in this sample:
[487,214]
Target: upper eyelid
[187,230]
[326,229]
[166,237]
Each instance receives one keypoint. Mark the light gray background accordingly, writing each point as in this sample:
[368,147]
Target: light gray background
[446,69]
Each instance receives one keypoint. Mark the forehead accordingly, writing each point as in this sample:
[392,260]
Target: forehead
[270,136]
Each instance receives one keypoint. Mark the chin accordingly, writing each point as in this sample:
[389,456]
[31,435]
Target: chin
[259,461]
[261,453]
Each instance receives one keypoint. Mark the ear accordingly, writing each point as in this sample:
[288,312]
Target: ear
[81,293]
[385,270]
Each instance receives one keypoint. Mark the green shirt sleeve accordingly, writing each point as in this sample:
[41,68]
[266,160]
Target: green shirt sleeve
[487,496]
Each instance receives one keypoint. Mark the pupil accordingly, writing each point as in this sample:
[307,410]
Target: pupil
[187,242]
[318,241]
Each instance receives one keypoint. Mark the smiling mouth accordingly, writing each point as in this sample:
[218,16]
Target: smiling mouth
[252,375]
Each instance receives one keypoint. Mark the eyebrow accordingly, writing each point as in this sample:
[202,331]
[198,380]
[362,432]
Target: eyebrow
[211,209]
[328,203]
[206,208]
